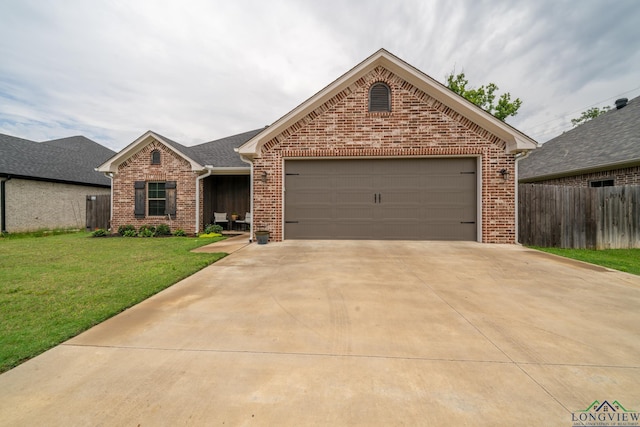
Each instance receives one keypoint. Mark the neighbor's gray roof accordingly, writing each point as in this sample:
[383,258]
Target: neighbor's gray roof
[70,159]
[609,141]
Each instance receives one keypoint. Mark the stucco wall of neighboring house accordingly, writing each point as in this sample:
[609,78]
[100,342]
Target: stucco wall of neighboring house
[34,205]
[624,176]
[418,125]
[138,167]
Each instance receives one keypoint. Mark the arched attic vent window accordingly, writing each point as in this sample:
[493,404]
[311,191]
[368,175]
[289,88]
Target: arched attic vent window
[379,97]
[155,157]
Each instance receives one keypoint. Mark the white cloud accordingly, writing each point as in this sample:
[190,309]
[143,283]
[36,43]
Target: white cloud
[196,70]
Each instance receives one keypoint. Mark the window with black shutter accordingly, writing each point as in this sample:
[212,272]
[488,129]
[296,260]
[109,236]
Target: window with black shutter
[379,98]
[157,198]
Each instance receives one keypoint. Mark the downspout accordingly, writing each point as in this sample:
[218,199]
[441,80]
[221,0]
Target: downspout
[519,156]
[110,176]
[250,195]
[3,205]
[198,179]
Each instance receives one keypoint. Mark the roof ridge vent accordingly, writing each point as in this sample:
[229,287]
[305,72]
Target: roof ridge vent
[620,103]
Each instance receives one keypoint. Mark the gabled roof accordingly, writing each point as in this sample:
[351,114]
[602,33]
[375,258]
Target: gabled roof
[70,160]
[516,140]
[221,152]
[610,141]
[214,154]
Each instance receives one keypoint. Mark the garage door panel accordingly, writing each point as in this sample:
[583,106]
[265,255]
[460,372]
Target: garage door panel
[389,214]
[310,212]
[381,199]
[353,197]
[313,197]
[355,213]
[354,229]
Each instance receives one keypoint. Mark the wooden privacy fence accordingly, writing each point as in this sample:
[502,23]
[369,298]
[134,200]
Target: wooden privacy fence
[579,217]
[98,211]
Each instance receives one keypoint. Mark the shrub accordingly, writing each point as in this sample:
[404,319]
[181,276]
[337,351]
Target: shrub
[147,231]
[130,233]
[180,232]
[213,228]
[100,232]
[209,235]
[163,230]
[124,228]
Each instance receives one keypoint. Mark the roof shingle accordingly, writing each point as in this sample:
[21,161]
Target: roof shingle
[70,159]
[608,141]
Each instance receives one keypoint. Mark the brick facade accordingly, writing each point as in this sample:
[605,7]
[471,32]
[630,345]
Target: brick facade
[624,176]
[417,125]
[172,167]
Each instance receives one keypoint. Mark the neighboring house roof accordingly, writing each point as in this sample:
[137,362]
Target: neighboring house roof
[609,141]
[218,154]
[515,140]
[70,160]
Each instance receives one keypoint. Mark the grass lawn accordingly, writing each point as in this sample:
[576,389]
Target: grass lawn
[618,259]
[52,288]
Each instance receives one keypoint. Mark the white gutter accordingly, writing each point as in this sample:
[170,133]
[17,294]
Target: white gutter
[246,160]
[198,179]
[227,170]
[519,156]
[110,176]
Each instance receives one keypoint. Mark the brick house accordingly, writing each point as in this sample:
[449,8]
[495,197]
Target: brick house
[386,152]
[602,152]
[383,152]
[158,181]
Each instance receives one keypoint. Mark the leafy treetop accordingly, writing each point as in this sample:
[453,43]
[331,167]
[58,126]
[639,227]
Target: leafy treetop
[485,96]
[591,113]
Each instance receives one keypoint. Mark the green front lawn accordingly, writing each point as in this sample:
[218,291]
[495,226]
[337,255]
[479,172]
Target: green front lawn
[618,259]
[52,288]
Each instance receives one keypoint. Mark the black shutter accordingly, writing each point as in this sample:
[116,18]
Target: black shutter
[140,199]
[170,194]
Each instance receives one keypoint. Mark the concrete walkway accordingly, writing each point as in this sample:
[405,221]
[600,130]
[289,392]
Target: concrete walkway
[350,333]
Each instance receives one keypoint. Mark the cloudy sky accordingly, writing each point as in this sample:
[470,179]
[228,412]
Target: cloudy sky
[198,70]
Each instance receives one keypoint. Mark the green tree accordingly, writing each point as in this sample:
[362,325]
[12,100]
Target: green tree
[591,113]
[485,96]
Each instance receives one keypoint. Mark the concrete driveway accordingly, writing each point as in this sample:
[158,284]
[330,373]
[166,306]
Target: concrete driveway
[351,333]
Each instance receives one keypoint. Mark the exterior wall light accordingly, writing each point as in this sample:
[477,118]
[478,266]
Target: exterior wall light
[504,173]
[265,175]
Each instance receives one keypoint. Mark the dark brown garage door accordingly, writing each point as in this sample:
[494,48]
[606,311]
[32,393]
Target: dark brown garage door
[404,199]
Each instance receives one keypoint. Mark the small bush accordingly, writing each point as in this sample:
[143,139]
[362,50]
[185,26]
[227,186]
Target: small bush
[180,232]
[100,232]
[130,233]
[209,235]
[163,230]
[213,228]
[146,232]
[145,228]
[124,228]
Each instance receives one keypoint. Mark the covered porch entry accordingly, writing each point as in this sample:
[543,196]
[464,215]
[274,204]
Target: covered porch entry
[226,193]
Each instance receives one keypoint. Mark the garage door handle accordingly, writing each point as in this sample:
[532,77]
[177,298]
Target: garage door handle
[377,198]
